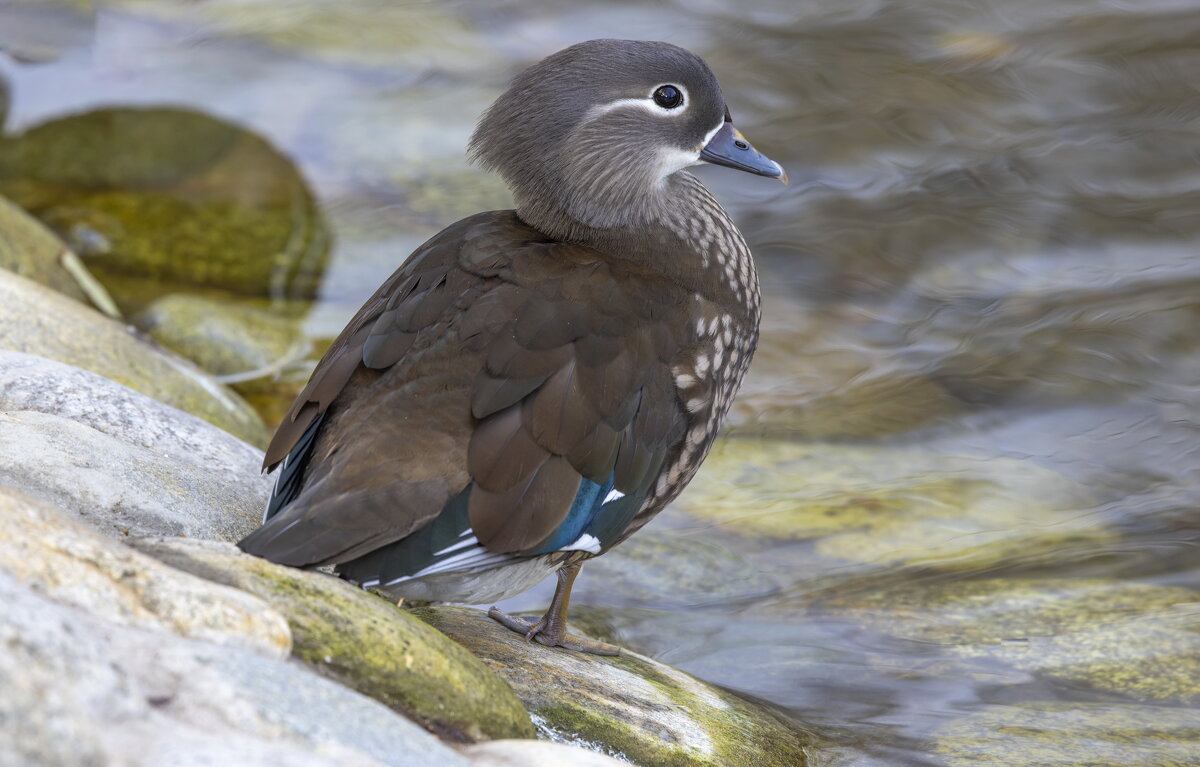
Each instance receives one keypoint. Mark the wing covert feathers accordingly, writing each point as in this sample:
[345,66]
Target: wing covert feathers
[492,357]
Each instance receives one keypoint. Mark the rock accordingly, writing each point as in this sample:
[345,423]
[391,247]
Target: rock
[259,351]
[171,194]
[65,561]
[884,506]
[31,250]
[36,320]
[1135,639]
[81,690]
[227,338]
[535,753]
[123,462]
[629,706]
[1071,735]
[366,643]
[665,569]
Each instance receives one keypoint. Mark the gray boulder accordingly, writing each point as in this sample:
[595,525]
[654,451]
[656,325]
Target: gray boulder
[124,462]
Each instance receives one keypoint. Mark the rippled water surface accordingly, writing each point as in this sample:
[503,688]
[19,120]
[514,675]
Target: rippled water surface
[954,519]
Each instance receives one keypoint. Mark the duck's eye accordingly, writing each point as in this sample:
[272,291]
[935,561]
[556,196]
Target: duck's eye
[668,96]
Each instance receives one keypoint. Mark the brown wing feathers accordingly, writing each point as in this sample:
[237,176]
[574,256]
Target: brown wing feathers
[594,398]
[572,376]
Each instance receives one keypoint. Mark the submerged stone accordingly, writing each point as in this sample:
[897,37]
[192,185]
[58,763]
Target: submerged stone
[884,506]
[230,339]
[37,320]
[171,194]
[365,643]
[1139,640]
[255,347]
[670,569]
[627,706]
[1072,735]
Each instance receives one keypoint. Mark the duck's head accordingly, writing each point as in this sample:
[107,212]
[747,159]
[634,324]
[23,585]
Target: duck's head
[594,132]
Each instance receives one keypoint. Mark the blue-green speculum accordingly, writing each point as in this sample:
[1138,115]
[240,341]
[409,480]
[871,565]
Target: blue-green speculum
[730,148]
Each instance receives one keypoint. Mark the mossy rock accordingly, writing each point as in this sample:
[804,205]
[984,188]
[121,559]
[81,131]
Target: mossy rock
[257,349]
[1127,638]
[171,194]
[884,506]
[1072,735]
[365,642]
[628,706]
[37,320]
[31,250]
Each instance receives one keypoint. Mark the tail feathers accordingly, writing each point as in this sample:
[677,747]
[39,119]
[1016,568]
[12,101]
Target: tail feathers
[291,470]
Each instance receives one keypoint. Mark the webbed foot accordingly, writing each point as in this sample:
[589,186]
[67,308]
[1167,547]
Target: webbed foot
[550,633]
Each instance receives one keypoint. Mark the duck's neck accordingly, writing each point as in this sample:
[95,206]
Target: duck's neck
[681,232]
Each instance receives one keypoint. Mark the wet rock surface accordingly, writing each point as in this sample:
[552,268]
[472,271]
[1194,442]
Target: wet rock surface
[629,706]
[364,642]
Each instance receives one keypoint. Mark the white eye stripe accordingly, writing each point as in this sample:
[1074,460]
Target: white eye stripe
[647,104]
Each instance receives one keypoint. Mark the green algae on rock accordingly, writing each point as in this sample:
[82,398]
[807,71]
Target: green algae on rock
[171,194]
[1135,639]
[37,320]
[630,706]
[365,642]
[884,506]
[1072,735]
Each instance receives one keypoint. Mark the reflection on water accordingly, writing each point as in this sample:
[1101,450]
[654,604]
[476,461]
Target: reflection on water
[954,521]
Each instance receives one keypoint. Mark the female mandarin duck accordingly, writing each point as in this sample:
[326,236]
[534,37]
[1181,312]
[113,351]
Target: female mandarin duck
[533,385]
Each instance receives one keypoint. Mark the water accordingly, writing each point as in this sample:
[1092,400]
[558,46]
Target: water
[955,518]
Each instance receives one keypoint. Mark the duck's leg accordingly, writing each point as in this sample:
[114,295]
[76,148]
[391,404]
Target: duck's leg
[551,628]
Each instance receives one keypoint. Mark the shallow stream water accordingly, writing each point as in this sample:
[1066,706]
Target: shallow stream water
[955,517]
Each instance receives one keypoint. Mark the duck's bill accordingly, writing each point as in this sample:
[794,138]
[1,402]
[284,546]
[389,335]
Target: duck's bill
[731,149]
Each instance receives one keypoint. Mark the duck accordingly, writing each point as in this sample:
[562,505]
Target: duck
[532,386]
